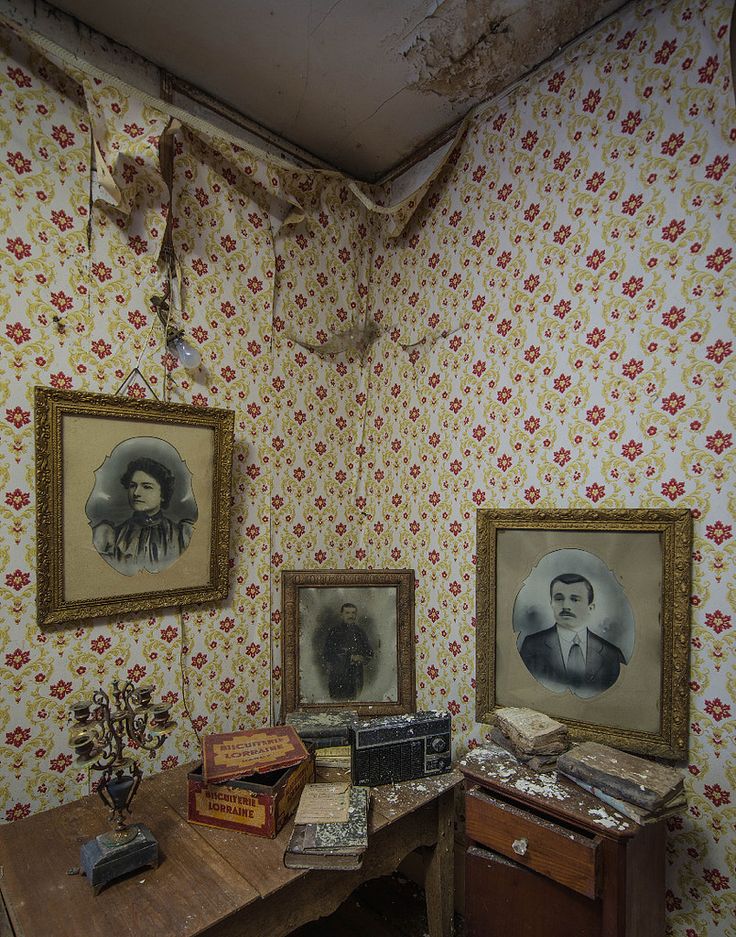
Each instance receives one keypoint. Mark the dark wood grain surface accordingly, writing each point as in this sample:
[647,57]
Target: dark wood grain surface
[588,872]
[206,877]
[503,899]
[568,857]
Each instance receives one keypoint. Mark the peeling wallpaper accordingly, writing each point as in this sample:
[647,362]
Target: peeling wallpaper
[565,300]
[556,329]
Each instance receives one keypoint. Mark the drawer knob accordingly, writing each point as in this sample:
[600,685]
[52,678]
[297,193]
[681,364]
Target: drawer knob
[520,846]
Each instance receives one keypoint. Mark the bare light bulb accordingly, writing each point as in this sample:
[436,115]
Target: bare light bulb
[188,356]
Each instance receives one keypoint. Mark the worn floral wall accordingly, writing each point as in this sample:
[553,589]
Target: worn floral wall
[78,267]
[76,285]
[559,327]
[555,329]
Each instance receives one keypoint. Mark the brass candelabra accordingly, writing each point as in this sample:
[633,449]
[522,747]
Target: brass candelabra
[101,728]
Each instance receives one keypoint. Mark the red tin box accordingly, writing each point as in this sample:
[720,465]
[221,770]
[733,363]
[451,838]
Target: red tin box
[249,781]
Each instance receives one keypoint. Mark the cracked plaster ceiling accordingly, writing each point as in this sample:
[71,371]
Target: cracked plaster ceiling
[360,84]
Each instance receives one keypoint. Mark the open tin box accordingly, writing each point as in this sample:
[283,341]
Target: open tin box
[249,781]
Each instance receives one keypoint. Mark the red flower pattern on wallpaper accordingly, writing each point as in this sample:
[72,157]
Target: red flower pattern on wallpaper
[578,245]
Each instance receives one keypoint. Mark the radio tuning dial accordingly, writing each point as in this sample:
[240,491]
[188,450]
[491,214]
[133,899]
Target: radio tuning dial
[438,744]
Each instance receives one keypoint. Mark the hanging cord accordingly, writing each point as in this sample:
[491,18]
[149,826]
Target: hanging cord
[185,681]
[158,303]
[167,374]
[127,380]
[166,163]
[144,350]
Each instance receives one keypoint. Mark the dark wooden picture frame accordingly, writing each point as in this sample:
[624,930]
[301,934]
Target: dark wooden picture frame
[348,641]
[102,547]
[630,573]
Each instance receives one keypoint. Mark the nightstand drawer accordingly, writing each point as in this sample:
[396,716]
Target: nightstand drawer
[570,858]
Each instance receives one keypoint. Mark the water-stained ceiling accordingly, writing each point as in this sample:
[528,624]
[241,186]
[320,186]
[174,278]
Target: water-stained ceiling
[361,84]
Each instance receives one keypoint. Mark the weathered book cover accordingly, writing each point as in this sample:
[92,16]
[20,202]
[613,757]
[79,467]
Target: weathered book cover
[337,756]
[640,815]
[314,742]
[535,762]
[635,780]
[297,857]
[315,725]
[332,845]
[532,732]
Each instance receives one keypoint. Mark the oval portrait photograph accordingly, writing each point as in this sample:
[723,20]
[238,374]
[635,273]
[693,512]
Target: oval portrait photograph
[574,624]
[142,509]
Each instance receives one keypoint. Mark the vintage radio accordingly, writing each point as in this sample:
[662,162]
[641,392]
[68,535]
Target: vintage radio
[398,748]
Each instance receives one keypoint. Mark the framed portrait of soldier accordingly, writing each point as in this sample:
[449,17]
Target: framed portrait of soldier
[585,615]
[348,641]
[133,504]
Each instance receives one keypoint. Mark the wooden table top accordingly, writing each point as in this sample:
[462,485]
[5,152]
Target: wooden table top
[204,875]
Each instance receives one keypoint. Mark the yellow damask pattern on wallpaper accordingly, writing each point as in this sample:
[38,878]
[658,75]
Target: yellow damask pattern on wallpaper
[559,333]
[556,328]
[76,286]
[76,308]
[317,442]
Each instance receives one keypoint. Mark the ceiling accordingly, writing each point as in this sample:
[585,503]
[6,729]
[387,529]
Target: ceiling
[361,84]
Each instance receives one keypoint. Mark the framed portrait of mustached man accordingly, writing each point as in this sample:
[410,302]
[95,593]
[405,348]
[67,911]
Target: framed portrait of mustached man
[133,504]
[585,615]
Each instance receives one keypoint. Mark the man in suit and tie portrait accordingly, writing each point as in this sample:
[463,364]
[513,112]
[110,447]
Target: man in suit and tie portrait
[568,655]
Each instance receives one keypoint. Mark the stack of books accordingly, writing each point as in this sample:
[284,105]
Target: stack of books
[336,756]
[323,729]
[326,734]
[642,790]
[533,738]
[330,828]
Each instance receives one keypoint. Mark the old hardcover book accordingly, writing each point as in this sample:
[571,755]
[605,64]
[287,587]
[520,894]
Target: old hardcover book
[535,762]
[532,732]
[332,844]
[635,780]
[337,756]
[316,725]
[640,815]
[314,742]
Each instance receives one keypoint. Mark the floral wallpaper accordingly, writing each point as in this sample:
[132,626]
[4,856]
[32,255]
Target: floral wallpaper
[76,288]
[558,332]
[555,328]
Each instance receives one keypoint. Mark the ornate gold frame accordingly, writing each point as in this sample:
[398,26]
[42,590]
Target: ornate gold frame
[51,407]
[400,579]
[674,528]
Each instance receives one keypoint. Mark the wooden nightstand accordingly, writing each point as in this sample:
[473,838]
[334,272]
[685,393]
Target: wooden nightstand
[546,859]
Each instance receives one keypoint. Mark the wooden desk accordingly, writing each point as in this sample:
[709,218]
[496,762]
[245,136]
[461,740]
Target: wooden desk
[211,883]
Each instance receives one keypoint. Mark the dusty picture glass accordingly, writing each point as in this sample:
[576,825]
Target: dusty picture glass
[574,623]
[133,504]
[142,510]
[348,640]
[584,615]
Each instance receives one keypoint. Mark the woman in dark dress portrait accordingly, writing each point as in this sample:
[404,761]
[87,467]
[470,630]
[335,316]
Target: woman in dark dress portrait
[148,539]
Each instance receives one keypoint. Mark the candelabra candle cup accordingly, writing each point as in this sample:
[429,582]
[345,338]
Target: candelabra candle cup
[83,744]
[80,711]
[144,696]
[161,713]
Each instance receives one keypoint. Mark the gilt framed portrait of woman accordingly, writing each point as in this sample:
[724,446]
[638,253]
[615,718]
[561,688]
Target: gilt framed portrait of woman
[133,504]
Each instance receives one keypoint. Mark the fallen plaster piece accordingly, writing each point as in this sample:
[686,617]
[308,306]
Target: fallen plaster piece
[470,50]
